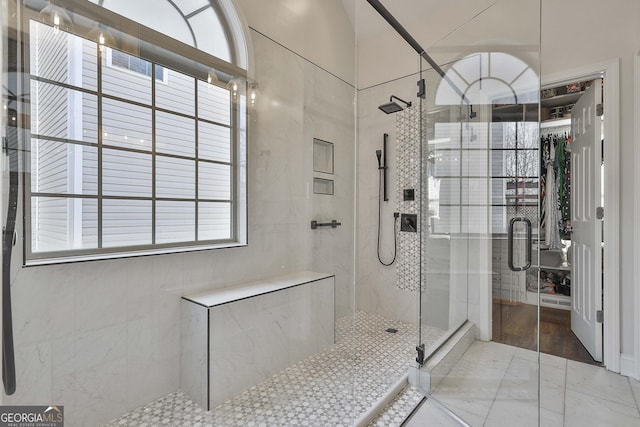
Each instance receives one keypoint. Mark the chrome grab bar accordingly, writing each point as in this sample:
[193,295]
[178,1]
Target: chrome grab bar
[332,224]
[510,243]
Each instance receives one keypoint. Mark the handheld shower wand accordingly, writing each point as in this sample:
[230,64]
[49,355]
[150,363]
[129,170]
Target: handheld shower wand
[382,195]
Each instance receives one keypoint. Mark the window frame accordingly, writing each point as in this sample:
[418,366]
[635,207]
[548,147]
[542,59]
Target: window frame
[109,63]
[458,208]
[196,69]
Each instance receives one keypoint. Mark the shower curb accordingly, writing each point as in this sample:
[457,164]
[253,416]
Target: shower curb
[427,377]
[382,402]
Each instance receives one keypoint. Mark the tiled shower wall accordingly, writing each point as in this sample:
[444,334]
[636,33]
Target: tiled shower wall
[380,289]
[103,337]
[408,178]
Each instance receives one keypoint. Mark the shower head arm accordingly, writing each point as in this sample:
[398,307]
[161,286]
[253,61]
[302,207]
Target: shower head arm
[408,104]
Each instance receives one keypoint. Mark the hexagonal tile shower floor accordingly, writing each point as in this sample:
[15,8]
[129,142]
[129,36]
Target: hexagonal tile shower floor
[331,388]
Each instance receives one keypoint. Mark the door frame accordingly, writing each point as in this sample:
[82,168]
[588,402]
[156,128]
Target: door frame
[635,371]
[610,71]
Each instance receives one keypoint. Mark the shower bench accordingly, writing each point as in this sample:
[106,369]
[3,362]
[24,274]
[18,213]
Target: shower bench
[237,337]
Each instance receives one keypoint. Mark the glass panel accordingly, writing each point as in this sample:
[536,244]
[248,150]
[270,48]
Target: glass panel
[482,165]
[126,76]
[175,134]
[126,125]
[59,223]
[153,14]
[447,220]
[189,6]
[475,135]
[214,221]
[214,103]
[207,22]
[476,191]
[175,221]
[447,191]
[63,113]
[59,167]
[214,142]
[214,181]
[50,55]
[126,222]
[125,173]
[447,163]
[445,135]
[474,163]
[175,178]
[176,93]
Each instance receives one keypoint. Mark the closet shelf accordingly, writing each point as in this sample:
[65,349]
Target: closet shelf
[555,123]
[563,267]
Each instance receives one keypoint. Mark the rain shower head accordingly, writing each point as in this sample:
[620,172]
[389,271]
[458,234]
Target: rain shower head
[392,106]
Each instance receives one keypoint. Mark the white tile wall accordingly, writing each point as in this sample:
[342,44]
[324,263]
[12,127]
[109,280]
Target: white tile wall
[125,314]
[252,339]
[193,351]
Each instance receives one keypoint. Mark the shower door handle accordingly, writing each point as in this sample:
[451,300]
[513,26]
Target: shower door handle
[510,243]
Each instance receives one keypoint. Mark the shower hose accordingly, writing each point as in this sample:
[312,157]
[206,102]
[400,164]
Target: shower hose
[395,218]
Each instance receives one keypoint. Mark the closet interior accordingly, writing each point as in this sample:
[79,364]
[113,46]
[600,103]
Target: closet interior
[515,294]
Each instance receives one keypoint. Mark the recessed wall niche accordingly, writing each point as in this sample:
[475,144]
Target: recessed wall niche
[323,186]
[322,166]
[322,156]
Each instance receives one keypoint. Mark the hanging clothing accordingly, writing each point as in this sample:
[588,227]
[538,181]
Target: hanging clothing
[555,190]
[552,232]
[564,187]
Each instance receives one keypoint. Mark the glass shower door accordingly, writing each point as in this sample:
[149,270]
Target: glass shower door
[480,215]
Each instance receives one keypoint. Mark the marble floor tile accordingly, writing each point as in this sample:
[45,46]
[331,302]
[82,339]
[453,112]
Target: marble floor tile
[599,382]
[331,388]
[394,414]
[586,410]
[492,385]
[473,414]
[635,387]
[431,415]
[472,391]
[552,387]
[522,414]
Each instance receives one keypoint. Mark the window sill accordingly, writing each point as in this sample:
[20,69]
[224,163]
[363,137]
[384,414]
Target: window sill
[132,254]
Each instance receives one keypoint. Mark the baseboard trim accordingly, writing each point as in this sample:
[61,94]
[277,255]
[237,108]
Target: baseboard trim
[627,365]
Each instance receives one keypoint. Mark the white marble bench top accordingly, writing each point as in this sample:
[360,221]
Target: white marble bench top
[265,286]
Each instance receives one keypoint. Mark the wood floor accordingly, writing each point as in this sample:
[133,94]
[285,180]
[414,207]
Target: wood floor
[514,324]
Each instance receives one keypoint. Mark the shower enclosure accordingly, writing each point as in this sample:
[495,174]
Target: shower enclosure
[479,216]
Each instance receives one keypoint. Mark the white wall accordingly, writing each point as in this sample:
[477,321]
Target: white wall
[574,33]
[590,42]
[102,337]
[317,30]
[388,66]
[376,289]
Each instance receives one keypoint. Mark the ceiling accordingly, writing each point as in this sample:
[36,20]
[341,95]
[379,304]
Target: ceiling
[412,14]
[367,23]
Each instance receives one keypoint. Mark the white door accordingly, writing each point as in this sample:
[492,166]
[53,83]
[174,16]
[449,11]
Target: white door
[586,158]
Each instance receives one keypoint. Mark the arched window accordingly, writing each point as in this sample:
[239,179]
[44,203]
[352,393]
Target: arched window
[489,78]
[484,153]
[212,28]
[137,128]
